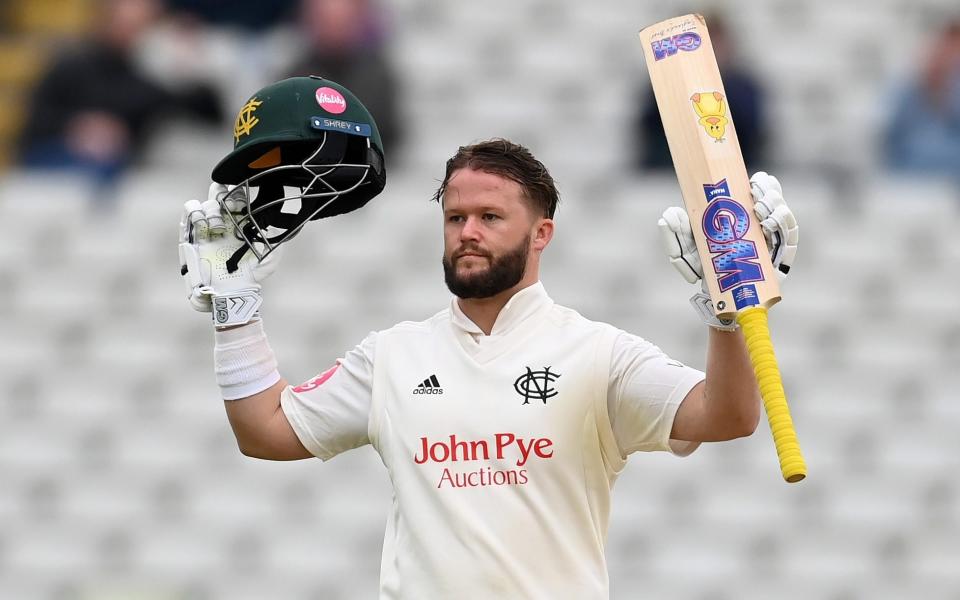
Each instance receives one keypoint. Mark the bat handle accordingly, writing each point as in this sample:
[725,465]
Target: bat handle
[753,321]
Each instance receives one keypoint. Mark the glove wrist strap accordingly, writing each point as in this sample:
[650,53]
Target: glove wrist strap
[236,308]
[704,306]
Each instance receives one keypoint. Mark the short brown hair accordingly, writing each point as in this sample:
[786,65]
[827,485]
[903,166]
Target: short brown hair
[511,161]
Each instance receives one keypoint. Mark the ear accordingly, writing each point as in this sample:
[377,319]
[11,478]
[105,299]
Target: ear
[542,234]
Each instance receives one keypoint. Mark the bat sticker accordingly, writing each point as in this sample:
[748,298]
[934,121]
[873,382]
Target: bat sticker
[667,47]
[745,296]
[725,223]
[711,107]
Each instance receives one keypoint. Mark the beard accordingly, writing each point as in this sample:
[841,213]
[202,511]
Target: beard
[504,272]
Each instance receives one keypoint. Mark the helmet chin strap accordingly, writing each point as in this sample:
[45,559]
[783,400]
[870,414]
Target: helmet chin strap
[233,263]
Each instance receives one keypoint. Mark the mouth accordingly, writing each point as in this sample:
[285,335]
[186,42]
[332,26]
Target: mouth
[460,255]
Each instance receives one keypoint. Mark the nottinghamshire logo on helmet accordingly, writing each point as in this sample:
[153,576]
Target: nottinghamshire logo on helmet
[246,119]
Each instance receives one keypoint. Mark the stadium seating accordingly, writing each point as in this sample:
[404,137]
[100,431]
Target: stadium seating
[119,477]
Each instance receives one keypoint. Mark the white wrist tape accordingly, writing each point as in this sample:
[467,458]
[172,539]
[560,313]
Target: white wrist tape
[243,360]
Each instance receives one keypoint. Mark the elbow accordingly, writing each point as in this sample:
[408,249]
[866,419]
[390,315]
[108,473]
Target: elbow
[263,449]
[749,425]
[732,417]
[749,420]
[739,421]
[249,449]
[739,430]
[246,449]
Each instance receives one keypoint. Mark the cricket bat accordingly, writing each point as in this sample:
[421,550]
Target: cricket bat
[716,192]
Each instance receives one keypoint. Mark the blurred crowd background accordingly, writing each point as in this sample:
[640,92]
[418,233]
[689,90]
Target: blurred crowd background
[119,477]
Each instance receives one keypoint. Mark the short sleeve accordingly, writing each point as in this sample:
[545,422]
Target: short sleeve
[645,390]
[330,412]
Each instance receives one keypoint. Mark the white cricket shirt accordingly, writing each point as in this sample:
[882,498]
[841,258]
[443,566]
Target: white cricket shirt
[502,449]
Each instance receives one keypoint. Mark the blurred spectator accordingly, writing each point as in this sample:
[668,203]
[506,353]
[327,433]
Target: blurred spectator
[252,15]
[345,42]
[924,132]
[745,100]
[93,109]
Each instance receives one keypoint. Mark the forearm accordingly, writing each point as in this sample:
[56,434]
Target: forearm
[251,388]
[258,424]
[731,395]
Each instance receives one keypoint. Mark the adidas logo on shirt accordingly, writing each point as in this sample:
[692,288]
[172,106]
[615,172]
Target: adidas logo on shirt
[430,385]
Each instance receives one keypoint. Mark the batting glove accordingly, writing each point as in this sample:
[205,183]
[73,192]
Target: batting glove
[777,221]
[779,227]
[207,241]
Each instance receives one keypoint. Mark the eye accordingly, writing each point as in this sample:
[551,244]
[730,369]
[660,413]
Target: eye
[490,217]
[455,219]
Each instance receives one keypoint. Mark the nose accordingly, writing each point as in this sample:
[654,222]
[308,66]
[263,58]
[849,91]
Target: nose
[470,230]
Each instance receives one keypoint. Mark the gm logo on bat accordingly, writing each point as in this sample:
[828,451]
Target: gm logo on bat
[725,223]
[667,47]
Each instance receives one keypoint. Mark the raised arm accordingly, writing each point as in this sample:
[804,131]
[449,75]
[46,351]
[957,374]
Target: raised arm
[245,365]
[259,423]
[727,404]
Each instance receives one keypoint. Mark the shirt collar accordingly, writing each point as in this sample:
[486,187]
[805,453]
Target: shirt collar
[518,308]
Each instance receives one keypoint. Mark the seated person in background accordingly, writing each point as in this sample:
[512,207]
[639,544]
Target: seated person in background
[923,135]
[344,41]
[250,15]
[93,109]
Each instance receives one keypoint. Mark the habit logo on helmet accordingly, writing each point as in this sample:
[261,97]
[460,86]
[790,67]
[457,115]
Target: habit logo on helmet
[245,119]
[331,100]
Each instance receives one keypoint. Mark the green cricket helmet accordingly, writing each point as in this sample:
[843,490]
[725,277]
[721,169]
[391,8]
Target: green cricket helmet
[306,140]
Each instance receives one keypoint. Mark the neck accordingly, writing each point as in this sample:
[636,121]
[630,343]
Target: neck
[484,311]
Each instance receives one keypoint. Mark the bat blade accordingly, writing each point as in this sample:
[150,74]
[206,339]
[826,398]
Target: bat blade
[713,181]
[706,154]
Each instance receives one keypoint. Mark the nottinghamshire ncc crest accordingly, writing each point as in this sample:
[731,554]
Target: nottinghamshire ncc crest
[245,119]
[536,384]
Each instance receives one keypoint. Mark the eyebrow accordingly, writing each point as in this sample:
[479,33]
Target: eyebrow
[482,208]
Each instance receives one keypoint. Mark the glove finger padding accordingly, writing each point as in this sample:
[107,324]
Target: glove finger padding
[197,237]
[193,219]
[212,208]
[777,221]
[767,193]
[676,237]
[215,222]
[192,223]
[782,234]
[192,274]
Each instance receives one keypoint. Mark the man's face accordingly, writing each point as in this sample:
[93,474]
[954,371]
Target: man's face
[487,232]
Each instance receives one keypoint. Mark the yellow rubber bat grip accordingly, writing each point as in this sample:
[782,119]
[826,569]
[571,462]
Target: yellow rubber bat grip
[753,321]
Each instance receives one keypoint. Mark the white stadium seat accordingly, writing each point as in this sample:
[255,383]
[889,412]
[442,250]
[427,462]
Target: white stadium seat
[119,476]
